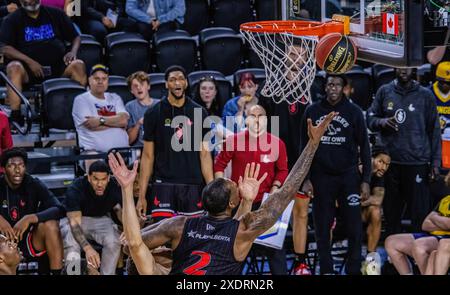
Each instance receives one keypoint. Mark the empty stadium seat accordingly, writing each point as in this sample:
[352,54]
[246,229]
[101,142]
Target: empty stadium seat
[127,53]
[157,85]
[57,101]
[361,82]
[91,52]
[231,13]
[260,77]
[196,17]
[266,9]
[225,88]
[221,51]
[118,84]
[175,48]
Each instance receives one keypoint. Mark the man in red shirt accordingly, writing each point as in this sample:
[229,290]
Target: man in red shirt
[257,145]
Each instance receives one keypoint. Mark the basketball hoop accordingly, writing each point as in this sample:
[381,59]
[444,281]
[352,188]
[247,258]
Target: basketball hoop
[287,51]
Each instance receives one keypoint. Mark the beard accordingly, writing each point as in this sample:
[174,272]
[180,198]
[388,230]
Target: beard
[32,8]
[178,97]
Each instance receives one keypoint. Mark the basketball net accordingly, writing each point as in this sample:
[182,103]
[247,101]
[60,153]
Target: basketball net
[287,51]
[289,64]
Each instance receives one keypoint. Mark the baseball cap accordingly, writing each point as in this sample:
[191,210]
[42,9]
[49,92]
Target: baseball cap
[443,71]
[99,67]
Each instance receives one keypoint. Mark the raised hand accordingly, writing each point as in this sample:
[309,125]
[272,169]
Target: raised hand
[315,132]
[249,185]
[123,175]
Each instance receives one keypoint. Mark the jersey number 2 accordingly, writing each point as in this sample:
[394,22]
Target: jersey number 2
[196,268]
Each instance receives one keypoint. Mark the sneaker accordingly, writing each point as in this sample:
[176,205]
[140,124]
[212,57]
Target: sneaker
[372,264]
[302,270]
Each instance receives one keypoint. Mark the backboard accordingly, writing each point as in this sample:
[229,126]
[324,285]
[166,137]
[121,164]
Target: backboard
[388,32]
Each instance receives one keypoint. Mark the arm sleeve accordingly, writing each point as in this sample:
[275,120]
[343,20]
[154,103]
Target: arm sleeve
[80,110]
[375,111]
[49,208]
[133,10]
[364,146]
[68,30]
[281,169]
[72,200]
[225,156]
[434,131]
[178,10]
[151,118]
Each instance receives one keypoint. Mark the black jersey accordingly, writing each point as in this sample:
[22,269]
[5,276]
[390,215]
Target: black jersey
[206,248]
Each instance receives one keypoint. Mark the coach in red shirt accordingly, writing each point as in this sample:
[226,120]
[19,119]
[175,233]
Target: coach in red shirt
[257,145]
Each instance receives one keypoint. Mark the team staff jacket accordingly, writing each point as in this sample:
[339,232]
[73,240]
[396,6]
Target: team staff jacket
[338,149]
[418,140]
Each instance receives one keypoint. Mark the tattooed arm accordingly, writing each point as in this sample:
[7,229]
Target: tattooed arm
[92,257]
[257,222]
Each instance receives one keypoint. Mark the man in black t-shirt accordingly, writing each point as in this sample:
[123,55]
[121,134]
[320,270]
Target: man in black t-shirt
[89,201]
[33,41]
[29,212]
[175,153]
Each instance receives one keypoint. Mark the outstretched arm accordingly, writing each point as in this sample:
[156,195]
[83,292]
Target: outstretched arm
[259,221]
[142,256]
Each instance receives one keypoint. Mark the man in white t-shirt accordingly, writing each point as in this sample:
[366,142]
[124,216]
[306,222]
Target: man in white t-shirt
[99,116]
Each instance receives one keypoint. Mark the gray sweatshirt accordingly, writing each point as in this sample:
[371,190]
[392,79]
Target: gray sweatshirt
[418,140]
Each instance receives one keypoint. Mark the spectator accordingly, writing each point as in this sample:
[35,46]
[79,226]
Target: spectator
[262,148]
[206,95]
[371,208]
[6,141]
[419,245]
[30,212]
[139,85]
[405,114]
[99,116]
[89,201]
[156,15]
[334,172]
[235,109]
[96,21]
[34,45]
[441,91]
[9,256]
[179,162]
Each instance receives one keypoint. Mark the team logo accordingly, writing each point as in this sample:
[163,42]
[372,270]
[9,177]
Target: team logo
[418,178]
[156,201]
[333,130]
[411,108]
[390,106]
[22,203]
[400,116]
[199,204]
[167,122]
[353,200]
[14,213]
[191,234]
[293,108]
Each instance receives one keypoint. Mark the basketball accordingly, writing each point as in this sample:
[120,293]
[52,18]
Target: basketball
[335,53]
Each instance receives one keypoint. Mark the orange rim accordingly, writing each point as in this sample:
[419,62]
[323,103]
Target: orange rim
[299,28]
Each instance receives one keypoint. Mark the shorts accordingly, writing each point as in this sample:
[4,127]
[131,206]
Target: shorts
[169,199]
[424,235]
[26,245]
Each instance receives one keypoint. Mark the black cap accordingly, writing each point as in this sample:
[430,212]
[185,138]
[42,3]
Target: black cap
[99,67]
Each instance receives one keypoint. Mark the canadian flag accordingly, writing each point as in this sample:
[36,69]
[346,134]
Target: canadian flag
[390,23]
